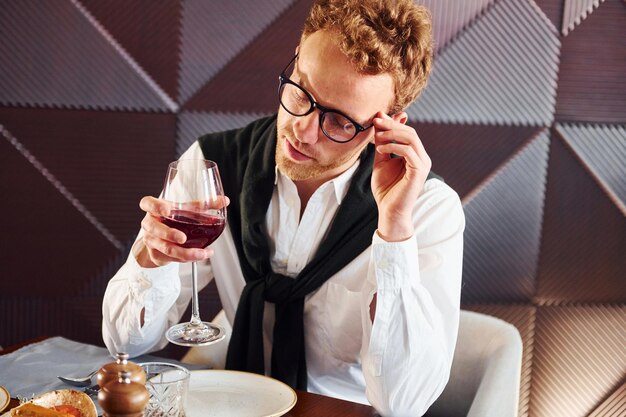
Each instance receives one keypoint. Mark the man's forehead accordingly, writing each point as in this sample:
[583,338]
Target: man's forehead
[333,81]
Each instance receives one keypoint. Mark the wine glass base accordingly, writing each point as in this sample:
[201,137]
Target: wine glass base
[187,334]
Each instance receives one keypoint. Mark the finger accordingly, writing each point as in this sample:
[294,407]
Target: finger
[383,121]
[403,151]
[153,226]
[406,137]
[380,156]
[383,124]
[421,150]
[158,258]
[162,250]
[155,206]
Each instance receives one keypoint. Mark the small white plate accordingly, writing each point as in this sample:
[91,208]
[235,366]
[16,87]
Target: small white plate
[217,393]
[4,398]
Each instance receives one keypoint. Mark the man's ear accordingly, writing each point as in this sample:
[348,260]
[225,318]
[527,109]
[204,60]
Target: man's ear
[401,117]
[297,49]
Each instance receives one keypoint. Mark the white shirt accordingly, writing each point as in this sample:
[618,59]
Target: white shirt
[400,363]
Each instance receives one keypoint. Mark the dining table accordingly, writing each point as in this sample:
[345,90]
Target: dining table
[307,404]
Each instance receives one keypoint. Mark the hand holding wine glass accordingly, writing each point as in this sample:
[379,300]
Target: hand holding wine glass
[194,203]
[161,243]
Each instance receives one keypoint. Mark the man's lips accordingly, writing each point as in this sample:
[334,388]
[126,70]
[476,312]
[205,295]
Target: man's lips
[295,154]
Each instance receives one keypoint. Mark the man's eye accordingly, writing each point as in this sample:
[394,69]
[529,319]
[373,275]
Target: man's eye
[300,96]
[338,124]
[338,121]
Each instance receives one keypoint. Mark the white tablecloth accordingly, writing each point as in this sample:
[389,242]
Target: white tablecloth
[33,369]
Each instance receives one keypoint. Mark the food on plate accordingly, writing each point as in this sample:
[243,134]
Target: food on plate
[32,410]
[60,403]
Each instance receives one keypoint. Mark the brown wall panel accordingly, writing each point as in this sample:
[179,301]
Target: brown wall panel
[249,83]
[148,30]
[107,160]
[466,155]
[48,246]
[591,85]
[553,10]
[584,237]
[578,360]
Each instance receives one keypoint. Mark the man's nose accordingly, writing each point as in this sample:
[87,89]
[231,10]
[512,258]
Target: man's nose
[307,128]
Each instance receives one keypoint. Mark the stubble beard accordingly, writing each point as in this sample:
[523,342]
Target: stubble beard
[301,171]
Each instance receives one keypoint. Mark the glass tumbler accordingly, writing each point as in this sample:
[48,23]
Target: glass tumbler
[167,385]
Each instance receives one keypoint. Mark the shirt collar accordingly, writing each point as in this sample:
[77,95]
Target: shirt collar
[340,184]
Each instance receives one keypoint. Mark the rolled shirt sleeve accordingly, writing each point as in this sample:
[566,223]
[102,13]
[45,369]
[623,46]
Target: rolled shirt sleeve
[132,289]
[407,351]
[164,292]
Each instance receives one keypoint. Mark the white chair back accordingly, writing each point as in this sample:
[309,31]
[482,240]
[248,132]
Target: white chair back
[486,369]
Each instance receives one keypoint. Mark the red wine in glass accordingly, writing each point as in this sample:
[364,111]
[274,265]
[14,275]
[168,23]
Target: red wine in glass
[194,192]
[201,229]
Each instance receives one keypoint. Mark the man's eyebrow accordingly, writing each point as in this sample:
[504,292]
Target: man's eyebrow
[296,71]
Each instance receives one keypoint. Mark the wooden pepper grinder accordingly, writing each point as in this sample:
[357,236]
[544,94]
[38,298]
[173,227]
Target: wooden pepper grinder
[123,397]
[110,371]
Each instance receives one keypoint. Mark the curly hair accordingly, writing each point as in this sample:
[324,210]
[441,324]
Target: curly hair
[381,36]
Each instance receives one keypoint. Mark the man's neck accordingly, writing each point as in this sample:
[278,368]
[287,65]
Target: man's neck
[306,188]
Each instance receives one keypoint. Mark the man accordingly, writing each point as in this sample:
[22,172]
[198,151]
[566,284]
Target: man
[353,257]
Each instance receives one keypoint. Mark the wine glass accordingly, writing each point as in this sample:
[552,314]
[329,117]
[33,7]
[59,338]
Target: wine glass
[196,203]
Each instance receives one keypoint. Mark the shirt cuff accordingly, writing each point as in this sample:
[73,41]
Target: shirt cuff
[393,262]
[154,288]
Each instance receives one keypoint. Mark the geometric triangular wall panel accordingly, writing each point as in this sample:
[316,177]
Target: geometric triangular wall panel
[509,204]
[249,82]
[207,48]
[584,236]
[79,67]
[466,155]
[571,371]
[45,230]
[602,148]
[148,31]
[501,70]
[192,125]
[123,155]
[553,9]
[451,16]
[613,406]
[575,12]
[592,86]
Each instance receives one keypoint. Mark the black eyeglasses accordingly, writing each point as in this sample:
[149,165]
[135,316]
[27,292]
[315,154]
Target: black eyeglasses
[337,126]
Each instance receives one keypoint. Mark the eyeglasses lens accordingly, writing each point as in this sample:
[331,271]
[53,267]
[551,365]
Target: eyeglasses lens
[298,103]
[338,127]
[294,100]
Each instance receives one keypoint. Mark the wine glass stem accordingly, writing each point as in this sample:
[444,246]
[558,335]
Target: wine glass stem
[195,312]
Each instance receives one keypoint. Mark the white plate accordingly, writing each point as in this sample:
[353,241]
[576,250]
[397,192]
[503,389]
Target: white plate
[4,398]
[230,393]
